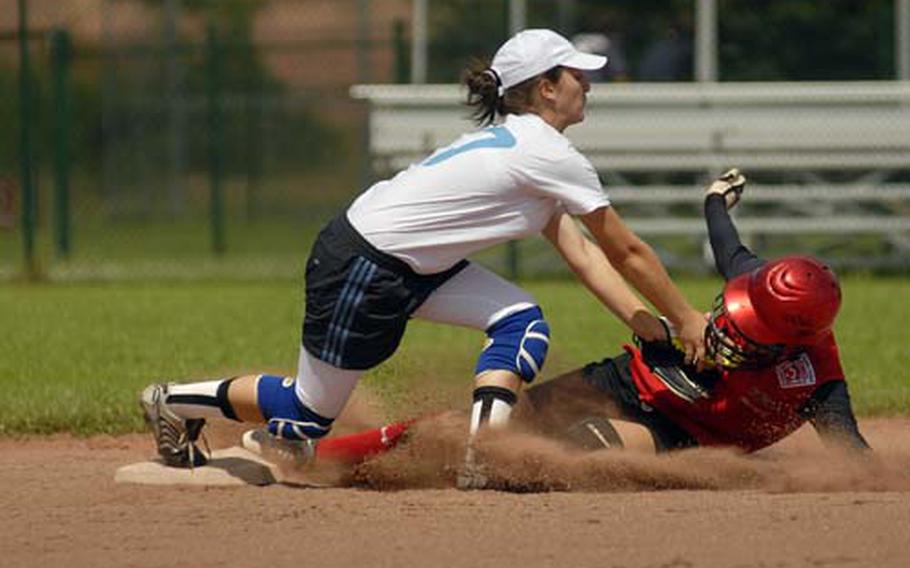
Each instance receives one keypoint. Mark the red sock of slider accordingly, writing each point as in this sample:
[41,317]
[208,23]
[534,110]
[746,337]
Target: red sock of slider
[354,448]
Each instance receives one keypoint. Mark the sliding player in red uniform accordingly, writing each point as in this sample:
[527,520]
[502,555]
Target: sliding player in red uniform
[772,365]
[772,360]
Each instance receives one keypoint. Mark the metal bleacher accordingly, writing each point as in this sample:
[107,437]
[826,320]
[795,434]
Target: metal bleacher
[829,163]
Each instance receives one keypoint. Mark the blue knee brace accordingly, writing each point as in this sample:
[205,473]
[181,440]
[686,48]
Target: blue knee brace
[288,417]
[518,343]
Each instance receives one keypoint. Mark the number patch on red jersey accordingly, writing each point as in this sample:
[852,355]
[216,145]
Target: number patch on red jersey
[795,373]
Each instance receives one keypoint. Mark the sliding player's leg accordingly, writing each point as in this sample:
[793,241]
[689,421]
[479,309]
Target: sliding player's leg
[594,407]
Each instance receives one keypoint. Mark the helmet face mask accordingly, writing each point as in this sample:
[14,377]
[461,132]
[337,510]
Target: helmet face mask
[728,347]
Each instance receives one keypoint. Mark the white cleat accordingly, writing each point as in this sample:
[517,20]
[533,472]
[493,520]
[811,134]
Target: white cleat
[471,476]
[261,442]
[174,436]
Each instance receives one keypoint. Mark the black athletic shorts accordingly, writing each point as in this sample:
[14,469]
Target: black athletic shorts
[359,299]
[614,378]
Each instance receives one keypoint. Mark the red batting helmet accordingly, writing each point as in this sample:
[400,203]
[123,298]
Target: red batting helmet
[762,315]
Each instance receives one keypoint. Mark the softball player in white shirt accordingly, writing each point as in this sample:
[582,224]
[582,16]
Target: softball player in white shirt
[399,252]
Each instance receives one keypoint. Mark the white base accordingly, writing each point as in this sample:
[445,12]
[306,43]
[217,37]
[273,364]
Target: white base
[230,466]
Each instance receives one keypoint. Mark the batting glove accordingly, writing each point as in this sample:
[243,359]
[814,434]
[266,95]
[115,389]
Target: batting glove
[731,185]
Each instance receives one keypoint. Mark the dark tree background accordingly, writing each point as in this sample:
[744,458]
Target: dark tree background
[767,40]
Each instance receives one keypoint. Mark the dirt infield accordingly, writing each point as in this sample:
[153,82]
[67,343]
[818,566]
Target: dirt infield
[790,506]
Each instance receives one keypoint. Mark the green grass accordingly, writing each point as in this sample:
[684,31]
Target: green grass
[134,235]
[168,249]
[75,356]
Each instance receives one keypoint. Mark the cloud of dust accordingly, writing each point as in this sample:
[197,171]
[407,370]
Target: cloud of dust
[434,449]
[522,462]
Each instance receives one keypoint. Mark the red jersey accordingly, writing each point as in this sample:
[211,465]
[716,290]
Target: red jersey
[749,409]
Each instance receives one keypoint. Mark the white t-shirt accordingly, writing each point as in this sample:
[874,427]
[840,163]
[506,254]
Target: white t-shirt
[501,183]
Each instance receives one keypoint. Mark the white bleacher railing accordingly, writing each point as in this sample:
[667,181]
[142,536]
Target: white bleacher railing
[827,158]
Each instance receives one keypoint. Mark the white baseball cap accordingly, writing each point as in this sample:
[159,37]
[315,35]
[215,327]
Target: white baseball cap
[532,52]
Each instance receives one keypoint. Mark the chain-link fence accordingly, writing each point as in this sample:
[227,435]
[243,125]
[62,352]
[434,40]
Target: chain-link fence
[194,138]
[190,138]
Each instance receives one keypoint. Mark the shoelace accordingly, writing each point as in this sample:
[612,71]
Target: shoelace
[191,448]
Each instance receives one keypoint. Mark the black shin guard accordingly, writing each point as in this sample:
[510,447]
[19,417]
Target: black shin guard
[492,407]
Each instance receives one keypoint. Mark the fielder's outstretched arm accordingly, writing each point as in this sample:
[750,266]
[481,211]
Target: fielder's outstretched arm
[641,267]
[591,266]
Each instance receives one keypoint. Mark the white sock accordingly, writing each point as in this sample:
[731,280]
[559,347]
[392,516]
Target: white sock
[207,399]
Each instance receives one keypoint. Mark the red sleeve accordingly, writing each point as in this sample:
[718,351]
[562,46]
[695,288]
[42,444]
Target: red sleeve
[825,359]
